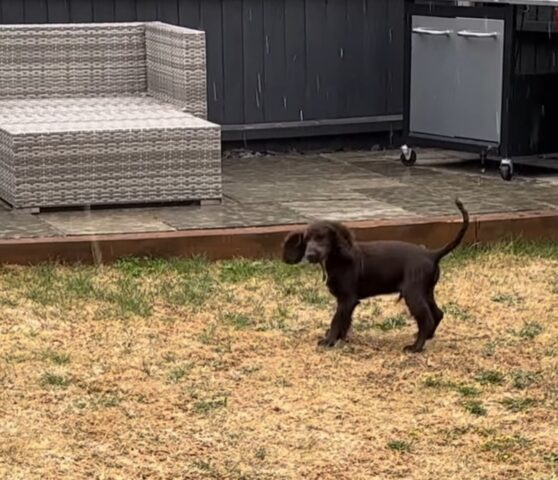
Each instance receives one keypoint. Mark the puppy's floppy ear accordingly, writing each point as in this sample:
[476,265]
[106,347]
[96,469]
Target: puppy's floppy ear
[344,239]
[294,247]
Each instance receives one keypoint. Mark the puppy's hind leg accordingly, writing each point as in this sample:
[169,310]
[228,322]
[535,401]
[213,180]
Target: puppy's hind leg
[421,311]
[437,314]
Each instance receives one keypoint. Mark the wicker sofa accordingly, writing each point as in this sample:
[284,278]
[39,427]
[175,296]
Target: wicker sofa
[105,114]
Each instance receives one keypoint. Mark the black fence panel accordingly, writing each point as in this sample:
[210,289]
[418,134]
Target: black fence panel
[276,62]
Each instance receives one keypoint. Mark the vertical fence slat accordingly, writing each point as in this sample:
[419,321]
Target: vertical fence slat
[12,12]
[396,17]
[35,11]
[211,21]
[295,55]
[81,11]
[357,64]
[189,13]
[316,60]
[252,22]
[275,88]
[103,10]
[58,11]
[146,10]
[168,11]
[233,72]
[125,10]
[378,43]
[335,40]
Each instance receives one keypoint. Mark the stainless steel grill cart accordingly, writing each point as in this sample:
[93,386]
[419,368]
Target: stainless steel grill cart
[481,77]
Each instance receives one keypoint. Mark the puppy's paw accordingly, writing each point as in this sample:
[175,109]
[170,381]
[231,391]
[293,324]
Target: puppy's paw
[412,349]
[327,342]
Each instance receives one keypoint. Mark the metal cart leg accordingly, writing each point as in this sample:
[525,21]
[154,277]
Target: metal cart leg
[506,169]
[408,156]
[483,155]
[506,164]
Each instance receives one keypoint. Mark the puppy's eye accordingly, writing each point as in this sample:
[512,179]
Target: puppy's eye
[319,237]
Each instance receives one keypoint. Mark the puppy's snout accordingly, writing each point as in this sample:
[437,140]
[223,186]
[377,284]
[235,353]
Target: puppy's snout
[312,255]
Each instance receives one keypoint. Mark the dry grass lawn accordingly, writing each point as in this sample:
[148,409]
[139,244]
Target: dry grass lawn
[188,370]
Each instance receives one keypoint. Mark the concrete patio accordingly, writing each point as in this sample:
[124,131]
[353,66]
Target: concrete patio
[290,189]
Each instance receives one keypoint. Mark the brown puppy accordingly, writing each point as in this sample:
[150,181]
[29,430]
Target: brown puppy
[358,270]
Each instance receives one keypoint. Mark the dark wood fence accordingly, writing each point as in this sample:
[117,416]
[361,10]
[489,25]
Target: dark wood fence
[275,67]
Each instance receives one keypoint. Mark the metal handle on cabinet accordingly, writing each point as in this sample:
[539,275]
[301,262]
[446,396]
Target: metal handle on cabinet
[428,31]
[468,33]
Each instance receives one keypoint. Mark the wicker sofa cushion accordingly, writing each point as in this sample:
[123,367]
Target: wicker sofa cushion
[43,116]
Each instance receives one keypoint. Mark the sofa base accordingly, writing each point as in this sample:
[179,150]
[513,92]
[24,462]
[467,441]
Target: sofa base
[105,151]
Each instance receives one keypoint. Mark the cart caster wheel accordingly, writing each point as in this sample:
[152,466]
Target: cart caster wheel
[506,169]
[408,156]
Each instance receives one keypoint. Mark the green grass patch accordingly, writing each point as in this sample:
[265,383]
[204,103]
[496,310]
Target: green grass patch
[189,291]
[51,285]
[391,323]
[242,270]
[457,312]
[438,383]
[490,377]
[179,373]
[530,330]
[108,400]
[467,391]
[58,358]
[518,404]
[504,445]
[49,379]
[399,446]
[522,379]
[507,299]
[137,267]
[41,285]
[475,407]
[515,247]
[80,284]
[205,407]
[260,454]
[314,296]
[128,297]
[489,349]
[209,335]
[237,320]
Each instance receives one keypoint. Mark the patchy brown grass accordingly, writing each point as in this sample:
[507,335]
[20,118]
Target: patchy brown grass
[152,369]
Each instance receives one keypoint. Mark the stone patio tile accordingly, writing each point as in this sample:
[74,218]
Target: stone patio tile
[304,190]
[105,222]
[14,224]
[444,155]
[438,199]
[230,215]
[350,155]
[367,181]
[346,210]
[396,170]
[287,169]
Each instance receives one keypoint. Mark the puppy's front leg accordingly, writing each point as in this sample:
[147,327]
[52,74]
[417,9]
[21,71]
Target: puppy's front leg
[340,323]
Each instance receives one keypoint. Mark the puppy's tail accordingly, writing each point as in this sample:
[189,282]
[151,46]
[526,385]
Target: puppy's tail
[442,252]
